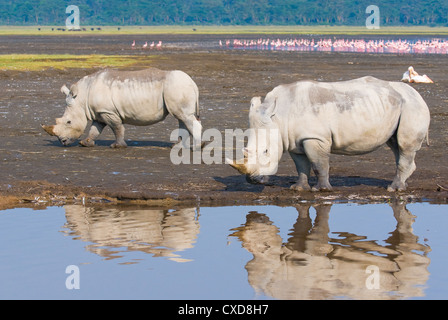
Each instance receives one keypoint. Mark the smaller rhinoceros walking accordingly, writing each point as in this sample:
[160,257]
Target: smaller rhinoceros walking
[314,119]
[115,98]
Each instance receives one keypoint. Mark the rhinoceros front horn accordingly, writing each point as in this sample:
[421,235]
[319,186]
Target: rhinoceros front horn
[49,130]
[241,168]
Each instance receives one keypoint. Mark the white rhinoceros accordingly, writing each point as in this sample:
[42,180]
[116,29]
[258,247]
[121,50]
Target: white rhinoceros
[115,98]
[314,119]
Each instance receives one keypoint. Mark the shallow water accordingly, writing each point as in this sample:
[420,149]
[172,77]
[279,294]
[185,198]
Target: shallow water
[322,251]
[374,44]
[333,44]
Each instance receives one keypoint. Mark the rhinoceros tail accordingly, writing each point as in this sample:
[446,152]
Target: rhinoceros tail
[197,114]
[427,138]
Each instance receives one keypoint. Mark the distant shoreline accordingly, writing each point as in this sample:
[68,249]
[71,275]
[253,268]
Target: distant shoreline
[194,29]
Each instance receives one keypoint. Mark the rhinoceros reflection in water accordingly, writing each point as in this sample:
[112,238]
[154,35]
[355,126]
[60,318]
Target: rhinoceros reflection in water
[161,233]
[313,265]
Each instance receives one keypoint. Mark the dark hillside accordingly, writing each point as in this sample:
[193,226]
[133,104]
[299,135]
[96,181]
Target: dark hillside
[218,12]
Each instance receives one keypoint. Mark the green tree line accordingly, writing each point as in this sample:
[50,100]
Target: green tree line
[224,12]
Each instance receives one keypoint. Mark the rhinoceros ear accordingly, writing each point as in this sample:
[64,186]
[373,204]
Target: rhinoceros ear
[74,91]
[65,90]
[271,110]
[255,102]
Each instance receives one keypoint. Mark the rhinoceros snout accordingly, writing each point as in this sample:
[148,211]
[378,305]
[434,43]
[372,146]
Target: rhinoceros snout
[66,141]
[257,179]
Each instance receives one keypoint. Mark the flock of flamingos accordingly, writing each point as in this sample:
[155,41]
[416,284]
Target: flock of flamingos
[147,45]
[434,46]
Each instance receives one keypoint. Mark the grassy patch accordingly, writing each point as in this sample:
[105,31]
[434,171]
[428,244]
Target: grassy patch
[38,62]
[190,29]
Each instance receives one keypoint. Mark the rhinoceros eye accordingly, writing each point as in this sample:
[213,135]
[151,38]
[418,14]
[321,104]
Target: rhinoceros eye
[69,122]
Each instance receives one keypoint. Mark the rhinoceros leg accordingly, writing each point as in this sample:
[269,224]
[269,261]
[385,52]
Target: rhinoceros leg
[117,127]
[303,167]
[181,100]
[405,168]
[405,165]
[185,143]
[94,132]
[194,127]
[318,154]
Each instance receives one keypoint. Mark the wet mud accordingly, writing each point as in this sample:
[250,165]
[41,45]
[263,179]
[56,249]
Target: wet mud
[35,168]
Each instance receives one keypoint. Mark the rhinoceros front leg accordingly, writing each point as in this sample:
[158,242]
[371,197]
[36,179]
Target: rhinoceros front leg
[303,167]
[318,154]
[115,123]
[94,132]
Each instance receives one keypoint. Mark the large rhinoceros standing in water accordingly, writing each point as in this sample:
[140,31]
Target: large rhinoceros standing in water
[115,98]
[315,119]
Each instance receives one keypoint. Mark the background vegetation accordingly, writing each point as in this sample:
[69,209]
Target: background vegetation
[38,62]
[225,12]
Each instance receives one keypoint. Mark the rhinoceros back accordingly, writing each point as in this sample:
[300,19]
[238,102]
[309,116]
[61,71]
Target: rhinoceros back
[136,96]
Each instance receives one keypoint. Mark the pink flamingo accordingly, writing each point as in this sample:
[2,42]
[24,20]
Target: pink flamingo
[401,46]
[145,45]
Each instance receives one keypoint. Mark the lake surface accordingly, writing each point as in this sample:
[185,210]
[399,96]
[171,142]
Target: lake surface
[311,251]
[333,44]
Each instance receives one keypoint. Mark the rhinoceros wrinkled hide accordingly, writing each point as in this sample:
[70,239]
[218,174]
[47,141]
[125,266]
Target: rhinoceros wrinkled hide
[114,98]
[316,119]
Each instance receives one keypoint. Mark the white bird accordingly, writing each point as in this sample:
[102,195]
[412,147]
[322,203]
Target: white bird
[412,76]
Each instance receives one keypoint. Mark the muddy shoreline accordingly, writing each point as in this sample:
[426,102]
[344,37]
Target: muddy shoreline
[37,170]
